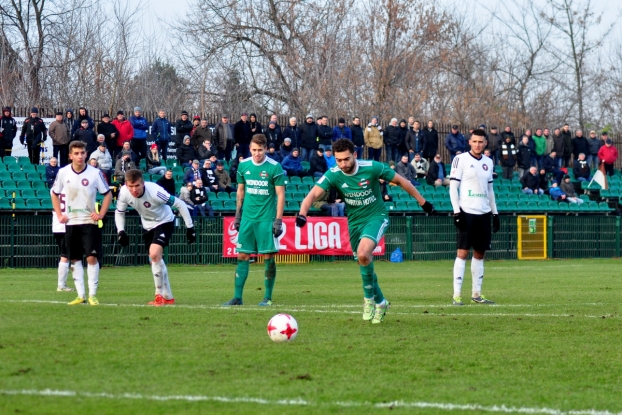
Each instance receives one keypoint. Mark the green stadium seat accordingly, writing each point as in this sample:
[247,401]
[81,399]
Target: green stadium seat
[142,164]
[401,206]
[223,196]
[170,163]
[295,180]
[553,206]
[33,177]
[28,194]
[40,168]
[29,168]
[5,204]
[5,175]
[46,204]
[33,204]
[532,206]
[9,160]
[23,184]
[229,205]
[586,186]
[604,207]
[38,184]
[308,180]
[42,193]
[291,188]
[292,206]
[178,170]
[511,207]
[9,185]
[20,204]
[17,176]
[217,205]
[404,196]
[23,160]
[299,196]
[14,168]
[289,196]
[502,206]
[389,206]
[443,206]
[305,165]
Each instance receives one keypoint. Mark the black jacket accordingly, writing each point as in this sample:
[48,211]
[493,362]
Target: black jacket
[198,195]
[317,163]
[433,172]
[524,156]
[107,129]
[530,181]
[414,140]
[430,143]
[9,130]
[293,133]
[508,159]
[33,132]
[558,145]
[242,132]
[581,169]
[308,135]
[167,184]
[580,145]
[358,136]
[182,129]
[186,153]
[204,153]
[549,164]
[567,143]
[325,134]
[273,136]
[86,136]
[151,163]
[392,135]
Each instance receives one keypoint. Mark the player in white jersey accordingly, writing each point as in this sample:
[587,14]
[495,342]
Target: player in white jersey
[73,197]
[58,229]
[473,202]
[153,204]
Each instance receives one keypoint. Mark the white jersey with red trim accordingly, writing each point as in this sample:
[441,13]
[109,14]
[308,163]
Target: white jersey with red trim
[77,192]
[154,206]
[473,175]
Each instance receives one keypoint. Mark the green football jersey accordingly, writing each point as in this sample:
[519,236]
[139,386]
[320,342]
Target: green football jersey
[360,190]
[259,181]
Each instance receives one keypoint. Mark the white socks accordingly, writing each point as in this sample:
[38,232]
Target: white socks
[459,267]
[78,278]
[160,278]
[93,273]
[63,270]
[477,272]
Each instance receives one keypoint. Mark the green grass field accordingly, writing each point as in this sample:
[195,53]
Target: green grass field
[552,345]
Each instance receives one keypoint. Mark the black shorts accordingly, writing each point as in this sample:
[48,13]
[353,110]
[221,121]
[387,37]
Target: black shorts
[477,233]
[60,242]
[160,235]
[83,240]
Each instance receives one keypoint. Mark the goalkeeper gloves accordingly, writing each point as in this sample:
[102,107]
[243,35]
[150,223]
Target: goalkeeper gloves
[123,239]
[191,235]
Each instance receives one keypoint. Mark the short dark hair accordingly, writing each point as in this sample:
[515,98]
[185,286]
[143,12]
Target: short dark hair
[343,144]
[479,132]
[77,144]
[259,139]
[133,175]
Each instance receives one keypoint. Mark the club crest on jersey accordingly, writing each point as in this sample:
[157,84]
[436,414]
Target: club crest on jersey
[363,183]
[485,167]
[146,204]
[85,182]
[263,174]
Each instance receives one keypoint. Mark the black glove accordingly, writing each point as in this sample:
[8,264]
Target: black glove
[301,221]
[237,220]
[427,207]
[191,235]
[459,221]
[496,223]
[123,239]
[277,227]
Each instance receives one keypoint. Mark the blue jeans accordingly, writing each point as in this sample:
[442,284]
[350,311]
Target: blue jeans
[393,153]
[374,153]
[411,156]
[243,150]
[530,192]
[359,152]
[158,170]
[559,160]
[306,154]
[162,148]
[592,161]
[334,209]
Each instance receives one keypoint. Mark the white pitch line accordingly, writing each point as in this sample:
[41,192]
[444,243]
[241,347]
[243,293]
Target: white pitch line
[303,402]
[308,309]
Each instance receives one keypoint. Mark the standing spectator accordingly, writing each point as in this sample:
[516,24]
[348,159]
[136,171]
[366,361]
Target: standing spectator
[568,188]
[494,145]
[373,139]
[581,169]
[358,137]
[329,204]
[83,114]
[608,154]
[185,153]
[508,157]
[330,159]
[293,132]
[200,134]
[580,145]
[308,138]
[255,125]
[222,178]
[209,177]
[33,135]
[242,134]
[183,127]
[161,132]
[167,182]
[540,147]
[51,170]
[193,173]
[524,155]
[594,144]
[126,132]
[124,164]
[286,148]
[273,135]
[568,150]
[109,131]
[104,160]
[558,146]
[185,194]
[140,127]
[414,139]
[508,132]
[292,165]
[275,119]
[126,147]
[549,141]
[318,165]
[436,173]
[224,138]
[324,133]
[196,121]
[406,170]
[60,139]
[68,121]
[430,142]
[153,163]
[421,166]
[86,136]
[8,130]
[273,154]
[199,198]
[530,182]
[549,165]
[455,142]
[341,130]
[403,130]
[206,150]
[392,141]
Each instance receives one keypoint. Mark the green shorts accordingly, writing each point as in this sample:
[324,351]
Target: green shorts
[374,229]
[256,238]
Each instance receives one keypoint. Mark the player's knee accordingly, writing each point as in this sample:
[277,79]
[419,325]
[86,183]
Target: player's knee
[364,259]
[243,256]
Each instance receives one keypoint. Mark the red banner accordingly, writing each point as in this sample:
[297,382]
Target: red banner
[321,236]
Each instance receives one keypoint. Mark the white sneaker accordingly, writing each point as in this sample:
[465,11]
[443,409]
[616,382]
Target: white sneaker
[64,289]
[380,311]
[368,308]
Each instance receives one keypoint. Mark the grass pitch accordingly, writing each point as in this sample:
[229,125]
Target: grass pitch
[552,345]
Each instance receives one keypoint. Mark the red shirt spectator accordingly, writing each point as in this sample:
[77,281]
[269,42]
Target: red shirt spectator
[608,153]
[126,131]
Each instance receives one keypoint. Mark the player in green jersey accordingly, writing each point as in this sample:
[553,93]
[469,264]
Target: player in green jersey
[258,216]
[358,183]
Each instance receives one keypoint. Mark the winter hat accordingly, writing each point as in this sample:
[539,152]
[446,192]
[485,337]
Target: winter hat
[196,117]
[482,126]
[9,109]
[102,144]
[271,145]
[34,110]
[120,112]
[341,120]
[57,112]
[320,149]
[154,145]
[309,116]
[287,140]
[105,116]
[138,109]
[608,141]
[295,149]
[271,123]
[184,113]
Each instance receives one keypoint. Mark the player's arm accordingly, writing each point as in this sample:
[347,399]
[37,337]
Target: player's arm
[306,204]
[454,183]
[239,202]
[119,219]
[102,187]
[183,210]
[105,205]
[491,199]
[280,201]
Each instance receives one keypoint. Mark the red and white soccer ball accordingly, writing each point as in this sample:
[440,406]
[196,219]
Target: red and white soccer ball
[282,328]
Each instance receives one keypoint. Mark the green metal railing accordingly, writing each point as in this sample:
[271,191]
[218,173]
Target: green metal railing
[27,241]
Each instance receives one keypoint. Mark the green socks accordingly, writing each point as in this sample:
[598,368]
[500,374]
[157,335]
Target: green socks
[378,296]
[241,274]
[367,274]
[270,276]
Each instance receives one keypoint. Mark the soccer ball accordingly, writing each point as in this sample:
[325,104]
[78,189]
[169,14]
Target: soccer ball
[282,328]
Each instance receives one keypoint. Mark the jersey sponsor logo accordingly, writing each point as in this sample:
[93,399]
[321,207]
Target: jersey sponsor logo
[471,194]
[248,172]
[363,183]
[147,204]
[485,167]
[262,183]
[263,174]
[85,182]
[345,185]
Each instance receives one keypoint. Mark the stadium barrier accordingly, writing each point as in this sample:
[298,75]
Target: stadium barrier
[27,241]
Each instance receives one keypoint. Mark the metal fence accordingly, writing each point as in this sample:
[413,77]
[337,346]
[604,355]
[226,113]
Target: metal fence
[27,241]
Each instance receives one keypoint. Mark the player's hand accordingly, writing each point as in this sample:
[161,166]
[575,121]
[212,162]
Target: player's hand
[459,221]
[63,219]
[428,207]
[237,221]
[277,227]
[96,216]
[301,221]
[496,223]
[123,239]
[191,235]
